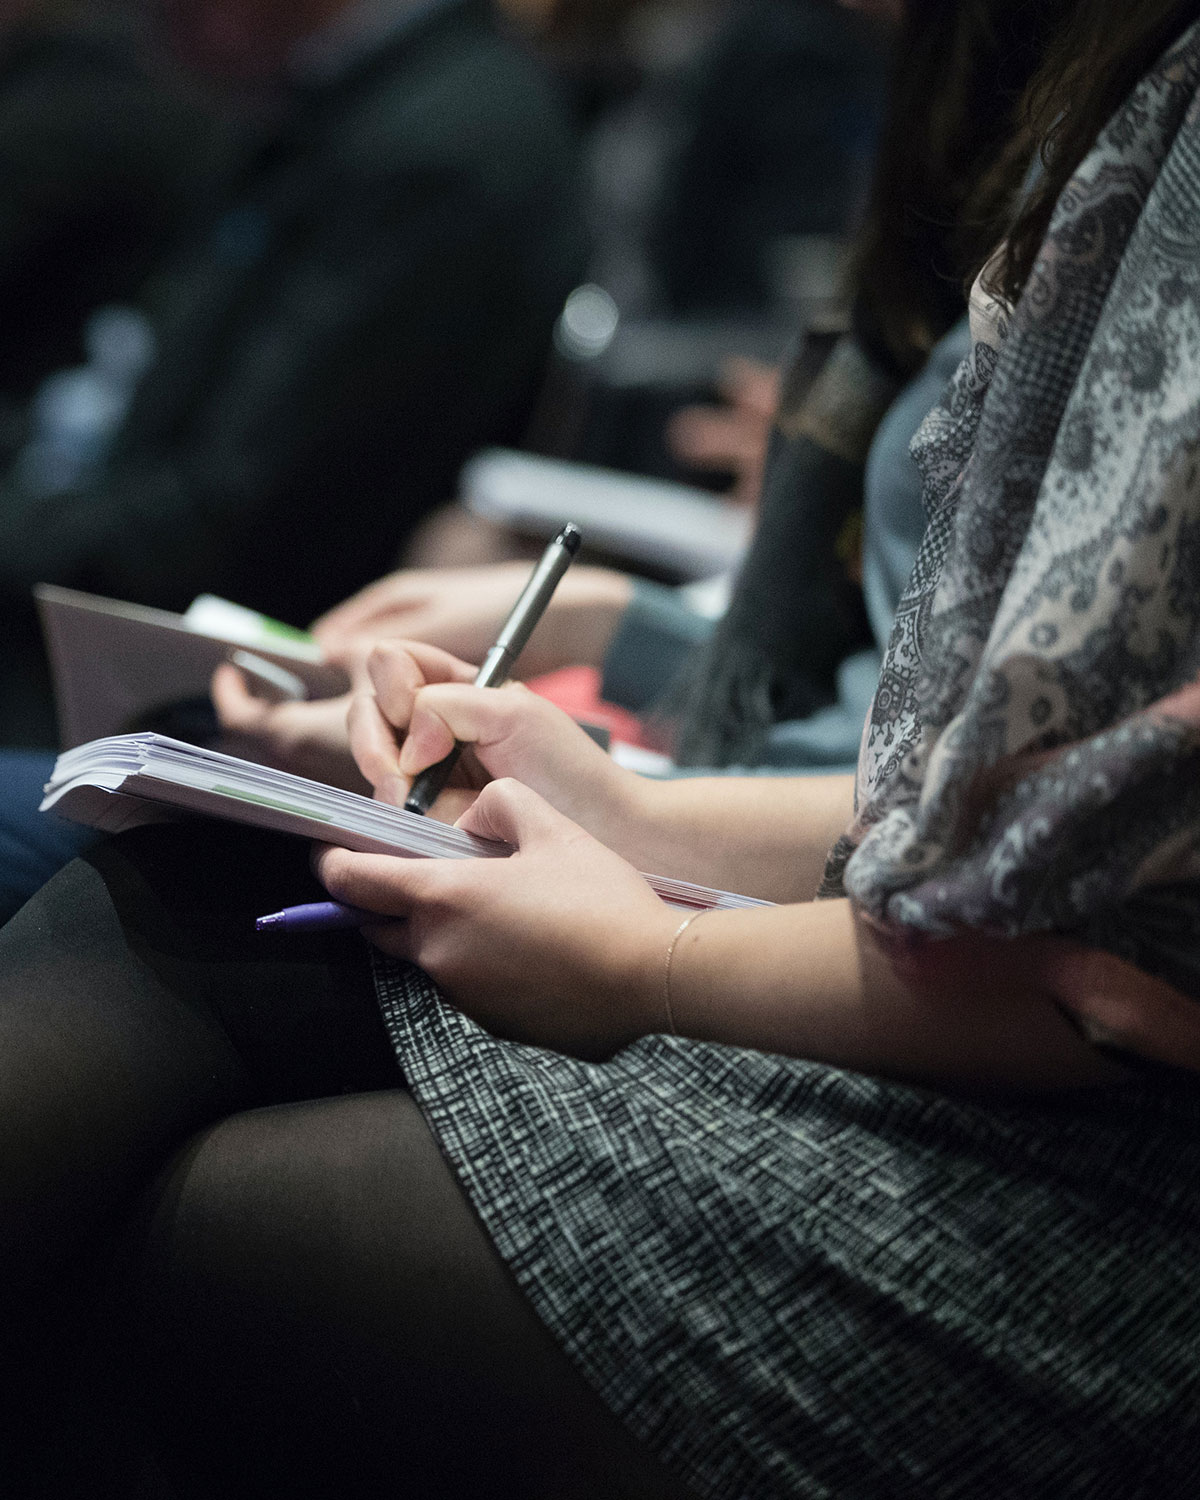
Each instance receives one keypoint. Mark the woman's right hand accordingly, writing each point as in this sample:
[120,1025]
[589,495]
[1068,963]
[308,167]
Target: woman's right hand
[462,609]
[420,700]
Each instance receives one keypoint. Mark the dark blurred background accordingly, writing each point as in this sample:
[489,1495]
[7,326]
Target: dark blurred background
[271,271]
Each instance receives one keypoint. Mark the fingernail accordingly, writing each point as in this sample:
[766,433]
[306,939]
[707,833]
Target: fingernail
[394,790]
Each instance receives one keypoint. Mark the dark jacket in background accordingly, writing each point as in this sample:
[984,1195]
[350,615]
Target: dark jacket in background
[105,157]
[374,303]
[783,116]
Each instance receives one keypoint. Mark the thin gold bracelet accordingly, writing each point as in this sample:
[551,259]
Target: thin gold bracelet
[679,932]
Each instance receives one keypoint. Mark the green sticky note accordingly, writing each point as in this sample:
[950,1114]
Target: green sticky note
[286,632]
[288,807]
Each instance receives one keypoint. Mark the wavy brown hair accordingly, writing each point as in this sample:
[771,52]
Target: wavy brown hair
[961,71]
[1097,56]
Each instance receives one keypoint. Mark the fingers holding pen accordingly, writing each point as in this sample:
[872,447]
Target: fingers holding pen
[374,746]
[417,702]
[445,714]
[381,711]
[398,669]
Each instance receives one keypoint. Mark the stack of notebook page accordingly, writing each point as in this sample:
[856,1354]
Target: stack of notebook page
[130,779]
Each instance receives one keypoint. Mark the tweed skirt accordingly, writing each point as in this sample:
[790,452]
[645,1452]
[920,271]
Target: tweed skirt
[790,1280]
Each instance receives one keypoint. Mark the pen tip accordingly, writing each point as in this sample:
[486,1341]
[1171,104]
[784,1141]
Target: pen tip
[269,921]
[570,537]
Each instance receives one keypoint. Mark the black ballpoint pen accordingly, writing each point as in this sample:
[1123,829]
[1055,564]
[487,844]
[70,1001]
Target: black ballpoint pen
[499,662]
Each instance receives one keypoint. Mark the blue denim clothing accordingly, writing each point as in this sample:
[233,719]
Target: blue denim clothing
[33,845]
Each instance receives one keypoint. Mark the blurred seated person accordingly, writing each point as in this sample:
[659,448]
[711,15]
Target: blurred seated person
[722,183]
[372,303]
[106,153]
[733,124]
[781,121]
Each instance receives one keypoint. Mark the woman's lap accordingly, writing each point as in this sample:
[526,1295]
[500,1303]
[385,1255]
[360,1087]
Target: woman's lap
[312,1292]
[316,1258]
[774,1270]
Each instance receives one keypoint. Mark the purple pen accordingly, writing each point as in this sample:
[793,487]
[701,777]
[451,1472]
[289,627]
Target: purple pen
[316,916]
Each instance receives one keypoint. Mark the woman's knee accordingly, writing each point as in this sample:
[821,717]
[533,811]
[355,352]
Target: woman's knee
[338,1215]
[317,1300]
[102,1071]
[295,1289]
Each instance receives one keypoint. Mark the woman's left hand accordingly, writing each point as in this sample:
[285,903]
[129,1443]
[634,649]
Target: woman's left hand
[562,944]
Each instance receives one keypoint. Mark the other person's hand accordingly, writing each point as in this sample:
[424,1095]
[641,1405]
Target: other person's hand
[733,436]
[309,739]
[461,610]
[1122,1006]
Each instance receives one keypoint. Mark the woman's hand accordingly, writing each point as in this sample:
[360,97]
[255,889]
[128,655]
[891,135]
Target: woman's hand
[308,739]
[421,700]
[462,609]
[561,945]
[1119,1005]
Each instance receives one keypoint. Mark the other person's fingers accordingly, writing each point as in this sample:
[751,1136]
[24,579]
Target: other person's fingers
[237,707]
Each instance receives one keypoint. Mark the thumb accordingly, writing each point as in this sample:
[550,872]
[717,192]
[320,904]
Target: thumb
[237,707]
[513,813]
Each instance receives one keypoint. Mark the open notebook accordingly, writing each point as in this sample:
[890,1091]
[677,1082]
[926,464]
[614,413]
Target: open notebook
[129,779]
[116,664]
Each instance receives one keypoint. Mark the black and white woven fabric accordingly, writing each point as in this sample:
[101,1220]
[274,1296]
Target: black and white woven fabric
[796,1282]
[792,1281]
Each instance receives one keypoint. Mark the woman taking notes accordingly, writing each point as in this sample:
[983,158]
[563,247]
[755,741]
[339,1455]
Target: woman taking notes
[892,1192]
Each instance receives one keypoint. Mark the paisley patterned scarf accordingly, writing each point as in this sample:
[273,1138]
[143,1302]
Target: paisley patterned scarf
[1032,759]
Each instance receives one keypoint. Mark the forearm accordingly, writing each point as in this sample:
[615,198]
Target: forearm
[508,938]
[461,610]
[814,982]
[765,837]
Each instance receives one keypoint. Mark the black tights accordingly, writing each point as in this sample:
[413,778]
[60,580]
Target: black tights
[213,1186]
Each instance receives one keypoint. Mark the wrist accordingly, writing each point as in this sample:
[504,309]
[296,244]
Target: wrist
[639,972]
[677,937]
[627,817]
